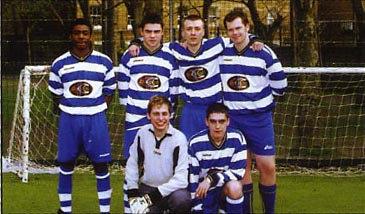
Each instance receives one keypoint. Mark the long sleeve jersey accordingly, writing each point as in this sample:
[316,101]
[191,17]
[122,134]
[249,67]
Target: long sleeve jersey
[164,161]
[229,160]
[250,79]
[143,76]
[82,84]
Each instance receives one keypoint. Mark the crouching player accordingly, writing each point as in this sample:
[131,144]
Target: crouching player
[217,158]
[157,169]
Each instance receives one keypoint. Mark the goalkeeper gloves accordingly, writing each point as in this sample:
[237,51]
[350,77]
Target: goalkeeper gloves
[140,204]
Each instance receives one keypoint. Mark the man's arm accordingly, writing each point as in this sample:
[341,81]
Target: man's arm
[56,103]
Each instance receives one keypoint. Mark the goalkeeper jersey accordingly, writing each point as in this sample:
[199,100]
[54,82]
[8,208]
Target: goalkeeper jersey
[164,161]
[250,79]
[143,76]
[229,159]
[82,83]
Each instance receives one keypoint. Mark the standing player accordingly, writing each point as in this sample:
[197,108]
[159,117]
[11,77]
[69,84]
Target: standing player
[250,79]
[140,78]
[200,83]
[82,82]
[157,169]
[217,164]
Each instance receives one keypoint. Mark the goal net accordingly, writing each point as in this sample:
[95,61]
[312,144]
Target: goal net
[320,122]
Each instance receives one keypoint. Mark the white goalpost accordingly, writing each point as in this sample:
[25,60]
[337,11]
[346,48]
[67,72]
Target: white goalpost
[320,122]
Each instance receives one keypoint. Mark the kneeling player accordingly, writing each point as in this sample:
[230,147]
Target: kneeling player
[217,164]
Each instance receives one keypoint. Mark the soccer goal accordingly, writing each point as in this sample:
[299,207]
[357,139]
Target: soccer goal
[320,122]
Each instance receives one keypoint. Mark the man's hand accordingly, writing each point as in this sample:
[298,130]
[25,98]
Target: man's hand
[140,204]
[201,191]
[257,46]
[133,50]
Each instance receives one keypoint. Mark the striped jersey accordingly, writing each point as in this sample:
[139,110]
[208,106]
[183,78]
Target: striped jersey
[82,84]
[250,79]
[230,159]
[143,76]
[199,73]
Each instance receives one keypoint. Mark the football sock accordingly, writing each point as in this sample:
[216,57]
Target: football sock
[234,205]
[65,188]
[104,191]
[268,195]
[248,198]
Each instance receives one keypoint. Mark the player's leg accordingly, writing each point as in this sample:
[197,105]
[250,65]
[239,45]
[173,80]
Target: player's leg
[96,142]
[179,201]
[267,183]
[66,171]
[232,191]
[67,152]
[239,122]
[103,186]
[192,119]
[247,186]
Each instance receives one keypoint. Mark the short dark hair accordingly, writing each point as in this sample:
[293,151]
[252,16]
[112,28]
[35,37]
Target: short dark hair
[158,100]
[151,18]
[193,17]
[217,108]
[236,14]
[80,21]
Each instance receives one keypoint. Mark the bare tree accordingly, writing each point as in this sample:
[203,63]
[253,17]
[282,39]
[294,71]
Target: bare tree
[306,52]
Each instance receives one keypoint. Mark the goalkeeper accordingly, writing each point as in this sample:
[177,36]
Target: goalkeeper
[157,169]
[217,165]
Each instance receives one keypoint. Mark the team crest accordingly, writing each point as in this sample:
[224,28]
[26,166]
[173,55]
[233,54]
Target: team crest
[149,82]
[81,89]
[196,74]
[238,83]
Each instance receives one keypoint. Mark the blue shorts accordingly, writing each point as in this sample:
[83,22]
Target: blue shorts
[129,136]
[86,134]
[192,119]
[258,130]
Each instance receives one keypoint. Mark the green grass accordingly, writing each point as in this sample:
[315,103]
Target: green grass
[296,194]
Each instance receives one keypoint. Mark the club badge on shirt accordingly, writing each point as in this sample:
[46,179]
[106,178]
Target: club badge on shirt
[81,89]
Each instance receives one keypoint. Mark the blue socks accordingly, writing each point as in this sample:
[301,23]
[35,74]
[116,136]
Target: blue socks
[104,191]
[65,188]
[268,195]
[248,198]
[234,205]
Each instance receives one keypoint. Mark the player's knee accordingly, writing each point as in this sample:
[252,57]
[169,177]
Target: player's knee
[69,166]
[233,189]
[100,167]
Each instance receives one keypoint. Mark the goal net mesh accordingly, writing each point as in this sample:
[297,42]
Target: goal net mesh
[320,122]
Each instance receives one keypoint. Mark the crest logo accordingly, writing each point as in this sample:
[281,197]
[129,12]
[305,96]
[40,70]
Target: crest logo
[149,82]
[238,83]
[196,74]
[81,89]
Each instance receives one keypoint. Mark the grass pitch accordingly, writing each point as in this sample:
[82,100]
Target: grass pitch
[295,194]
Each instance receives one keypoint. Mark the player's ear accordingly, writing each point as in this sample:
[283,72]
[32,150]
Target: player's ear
[148,116]
[228,121]
[206,122]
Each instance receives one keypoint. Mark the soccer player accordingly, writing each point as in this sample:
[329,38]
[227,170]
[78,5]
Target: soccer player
[140,78]
[250,81]
[200,83]
[157,169]
[82,82]
[217,164]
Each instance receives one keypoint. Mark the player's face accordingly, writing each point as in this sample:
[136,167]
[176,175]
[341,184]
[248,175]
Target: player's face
[160,118]
[217,124]
[193,32]
[81,37]
[152,36]
[238,32]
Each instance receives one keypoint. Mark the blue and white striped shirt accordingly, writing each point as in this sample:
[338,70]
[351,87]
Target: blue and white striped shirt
[230,158]
[143,76]
[82,84]
[250,79]
[199,73]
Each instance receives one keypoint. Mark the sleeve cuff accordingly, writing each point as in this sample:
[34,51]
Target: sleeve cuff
[155,196]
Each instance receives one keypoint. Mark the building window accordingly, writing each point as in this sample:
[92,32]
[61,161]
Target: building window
[95,16]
